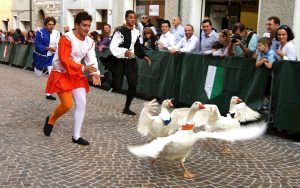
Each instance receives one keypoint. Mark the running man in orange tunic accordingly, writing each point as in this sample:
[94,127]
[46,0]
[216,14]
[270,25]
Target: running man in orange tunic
[67,78]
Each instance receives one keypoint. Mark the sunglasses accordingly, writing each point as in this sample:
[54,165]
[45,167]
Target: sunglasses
[144,18]
[284,27]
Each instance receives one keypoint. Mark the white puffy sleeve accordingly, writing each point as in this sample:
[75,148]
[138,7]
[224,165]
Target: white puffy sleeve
[117,51]
[91,58]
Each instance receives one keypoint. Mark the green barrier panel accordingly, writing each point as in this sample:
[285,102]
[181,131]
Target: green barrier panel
[30,58]
[240,78]
[6,51]
[104,53]
[183,77]
[157,79]
[1,52]
[19,57]
[286,95]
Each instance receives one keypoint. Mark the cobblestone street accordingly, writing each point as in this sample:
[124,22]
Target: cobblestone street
[30,159]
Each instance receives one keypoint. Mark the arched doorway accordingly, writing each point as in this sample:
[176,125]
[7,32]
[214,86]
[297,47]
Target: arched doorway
[40,19]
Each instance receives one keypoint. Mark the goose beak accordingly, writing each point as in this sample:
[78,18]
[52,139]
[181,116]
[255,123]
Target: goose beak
[170,103]
[201,106]
[238,100]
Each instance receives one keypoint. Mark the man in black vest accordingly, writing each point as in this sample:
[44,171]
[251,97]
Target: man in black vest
[125,46]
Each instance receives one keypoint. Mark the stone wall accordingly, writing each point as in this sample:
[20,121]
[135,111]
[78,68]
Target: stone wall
[284,10]
[171,9]
[50,8]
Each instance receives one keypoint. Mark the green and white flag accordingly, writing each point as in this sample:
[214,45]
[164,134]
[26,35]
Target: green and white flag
[214,81]
[5,52]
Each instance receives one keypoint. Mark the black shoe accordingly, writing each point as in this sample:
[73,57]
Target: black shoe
[80,141]
[129,112]
[48,127]
[50,97]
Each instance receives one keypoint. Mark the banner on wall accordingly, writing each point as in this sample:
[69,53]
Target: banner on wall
[154,10]
[141,9]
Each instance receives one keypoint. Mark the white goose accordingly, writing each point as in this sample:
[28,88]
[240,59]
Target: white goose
[216,123]
[174,147]
[240,110]
[156,126]
[177,146]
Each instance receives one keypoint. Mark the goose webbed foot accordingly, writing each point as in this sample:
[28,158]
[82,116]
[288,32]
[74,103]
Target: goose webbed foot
[188,175]
[226,149]
[153,161]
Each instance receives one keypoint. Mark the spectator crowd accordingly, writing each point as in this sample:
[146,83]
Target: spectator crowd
[276,44]
[176,38]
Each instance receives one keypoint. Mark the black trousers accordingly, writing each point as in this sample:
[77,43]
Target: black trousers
[129,68]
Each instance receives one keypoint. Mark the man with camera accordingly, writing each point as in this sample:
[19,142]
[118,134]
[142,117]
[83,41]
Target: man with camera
[243,43]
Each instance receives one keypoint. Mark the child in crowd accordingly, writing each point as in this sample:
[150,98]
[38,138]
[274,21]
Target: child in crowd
[266,57]
[216,49]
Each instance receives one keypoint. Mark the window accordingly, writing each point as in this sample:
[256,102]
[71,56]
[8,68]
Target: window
[155,10]
[101,19]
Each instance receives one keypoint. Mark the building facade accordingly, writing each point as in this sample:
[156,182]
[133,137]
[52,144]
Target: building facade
[20,12]
[42,9]
[101,11]
[5,15]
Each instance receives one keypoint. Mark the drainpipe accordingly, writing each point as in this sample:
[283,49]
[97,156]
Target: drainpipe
[30,13]
[179,7]
[201,12]
[133,4]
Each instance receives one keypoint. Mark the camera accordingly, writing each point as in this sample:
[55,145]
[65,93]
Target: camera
[235,38]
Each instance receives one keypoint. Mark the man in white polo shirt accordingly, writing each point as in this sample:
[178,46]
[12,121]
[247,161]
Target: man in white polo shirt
[167,39]
[189,43]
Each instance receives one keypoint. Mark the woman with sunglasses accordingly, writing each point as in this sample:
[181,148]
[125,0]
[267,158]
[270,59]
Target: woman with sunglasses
[287,50]
[149,40]
[224,39]
[145,22]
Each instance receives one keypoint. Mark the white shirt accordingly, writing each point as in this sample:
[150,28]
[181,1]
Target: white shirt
[80,49]
[118,39]
[167,40]
[188,45]
[290,51]
[54,38]
[2,37]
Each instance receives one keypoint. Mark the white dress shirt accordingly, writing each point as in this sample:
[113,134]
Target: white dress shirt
[188,45]
[166,41]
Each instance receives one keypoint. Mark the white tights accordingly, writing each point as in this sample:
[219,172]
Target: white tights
[79,96]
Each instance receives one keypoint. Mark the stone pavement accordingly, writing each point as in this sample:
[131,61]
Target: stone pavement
[30,159]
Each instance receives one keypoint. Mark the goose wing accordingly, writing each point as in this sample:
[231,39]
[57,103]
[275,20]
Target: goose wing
[244,113]
[153,148]
[252,131]
[146,117]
